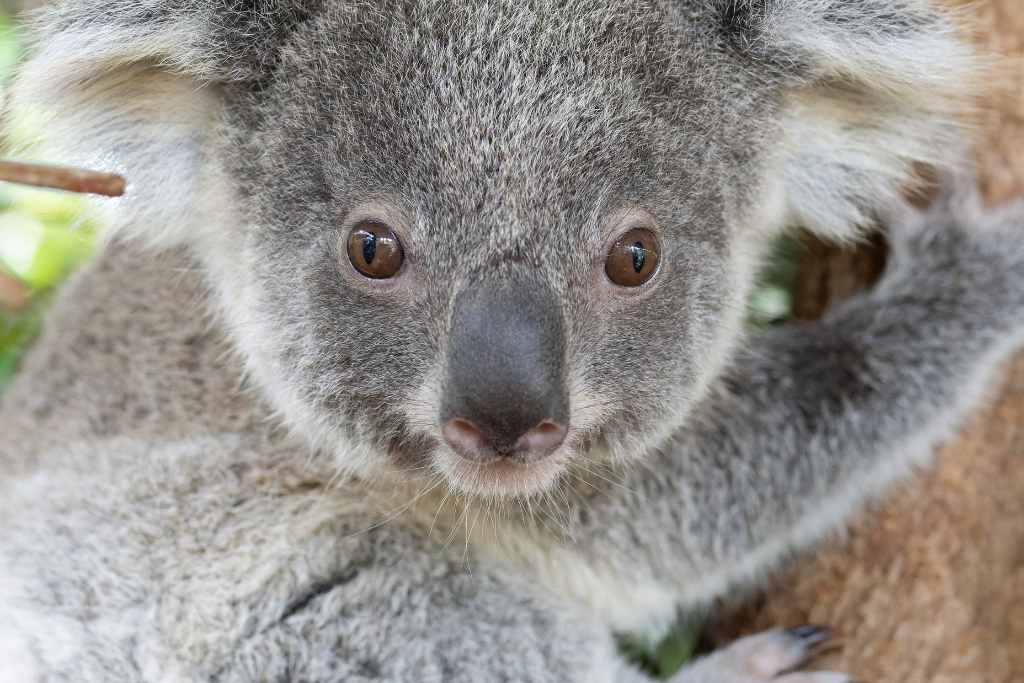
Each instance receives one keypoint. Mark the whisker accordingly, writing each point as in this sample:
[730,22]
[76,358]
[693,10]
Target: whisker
[400,509]
[440,505]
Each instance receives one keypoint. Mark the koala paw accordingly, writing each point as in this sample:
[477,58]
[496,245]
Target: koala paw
[763,658]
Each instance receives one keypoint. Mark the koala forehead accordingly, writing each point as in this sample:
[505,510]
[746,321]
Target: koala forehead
[521,115]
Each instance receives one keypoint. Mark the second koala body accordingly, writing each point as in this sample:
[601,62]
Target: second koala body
[241,453]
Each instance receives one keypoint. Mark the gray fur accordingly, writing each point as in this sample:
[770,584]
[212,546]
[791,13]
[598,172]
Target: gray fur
[223,462]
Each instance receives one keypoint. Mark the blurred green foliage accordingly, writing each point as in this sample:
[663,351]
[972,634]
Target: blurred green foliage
[665,657]
[10,46]
[772,300]
[44,235]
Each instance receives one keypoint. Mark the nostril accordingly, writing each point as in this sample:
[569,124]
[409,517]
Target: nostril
[473,444]
[541,441]
[467,440]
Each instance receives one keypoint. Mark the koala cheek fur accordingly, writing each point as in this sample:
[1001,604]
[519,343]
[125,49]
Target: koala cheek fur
[256,462]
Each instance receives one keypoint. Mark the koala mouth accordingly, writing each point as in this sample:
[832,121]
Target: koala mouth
[505,408]
[499,478]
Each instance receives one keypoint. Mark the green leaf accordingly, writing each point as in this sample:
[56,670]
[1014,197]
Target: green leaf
[16,332]
[663,658]
[10,47]
[771,302]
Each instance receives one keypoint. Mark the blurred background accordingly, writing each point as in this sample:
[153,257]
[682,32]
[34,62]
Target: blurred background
[44,234]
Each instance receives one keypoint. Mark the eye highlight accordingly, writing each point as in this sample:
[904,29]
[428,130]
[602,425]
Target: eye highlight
[374,250]
[634,258]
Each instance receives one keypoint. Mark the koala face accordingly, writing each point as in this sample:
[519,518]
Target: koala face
[496,241]
[509,246]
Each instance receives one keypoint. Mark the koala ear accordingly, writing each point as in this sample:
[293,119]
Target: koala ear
[137,87]
[215,40]
[875,88]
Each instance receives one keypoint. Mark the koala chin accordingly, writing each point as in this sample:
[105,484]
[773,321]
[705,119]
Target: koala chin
[415,350]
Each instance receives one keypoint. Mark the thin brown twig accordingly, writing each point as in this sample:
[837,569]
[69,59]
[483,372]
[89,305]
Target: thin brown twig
[69,179]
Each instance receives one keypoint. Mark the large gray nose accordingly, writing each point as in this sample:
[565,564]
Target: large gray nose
[505,393]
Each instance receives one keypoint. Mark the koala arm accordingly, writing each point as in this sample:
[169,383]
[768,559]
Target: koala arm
[813,420]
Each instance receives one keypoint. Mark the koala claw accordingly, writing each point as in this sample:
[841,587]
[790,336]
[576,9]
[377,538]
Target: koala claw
[765,657]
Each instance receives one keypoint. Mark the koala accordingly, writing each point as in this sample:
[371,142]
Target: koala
[415,350]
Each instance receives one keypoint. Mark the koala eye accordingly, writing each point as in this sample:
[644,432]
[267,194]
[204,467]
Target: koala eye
[634,258]
[374,250]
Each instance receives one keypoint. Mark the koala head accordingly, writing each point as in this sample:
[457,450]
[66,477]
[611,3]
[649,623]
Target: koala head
[494,240]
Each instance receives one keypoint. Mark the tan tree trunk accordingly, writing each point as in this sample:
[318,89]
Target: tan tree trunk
[929,585]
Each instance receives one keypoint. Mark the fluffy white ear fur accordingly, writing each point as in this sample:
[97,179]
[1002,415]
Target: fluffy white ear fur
[95,99]
[877,97]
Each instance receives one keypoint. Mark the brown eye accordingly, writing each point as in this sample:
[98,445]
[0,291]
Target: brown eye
[374,250]
[634,258]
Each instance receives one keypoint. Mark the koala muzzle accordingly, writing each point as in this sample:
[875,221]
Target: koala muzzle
[505,394]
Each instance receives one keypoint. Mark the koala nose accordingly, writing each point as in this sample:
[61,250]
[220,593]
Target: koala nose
[505,394]
[471,443]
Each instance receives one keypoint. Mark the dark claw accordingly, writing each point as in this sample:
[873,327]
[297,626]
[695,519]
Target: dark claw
[812,635]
